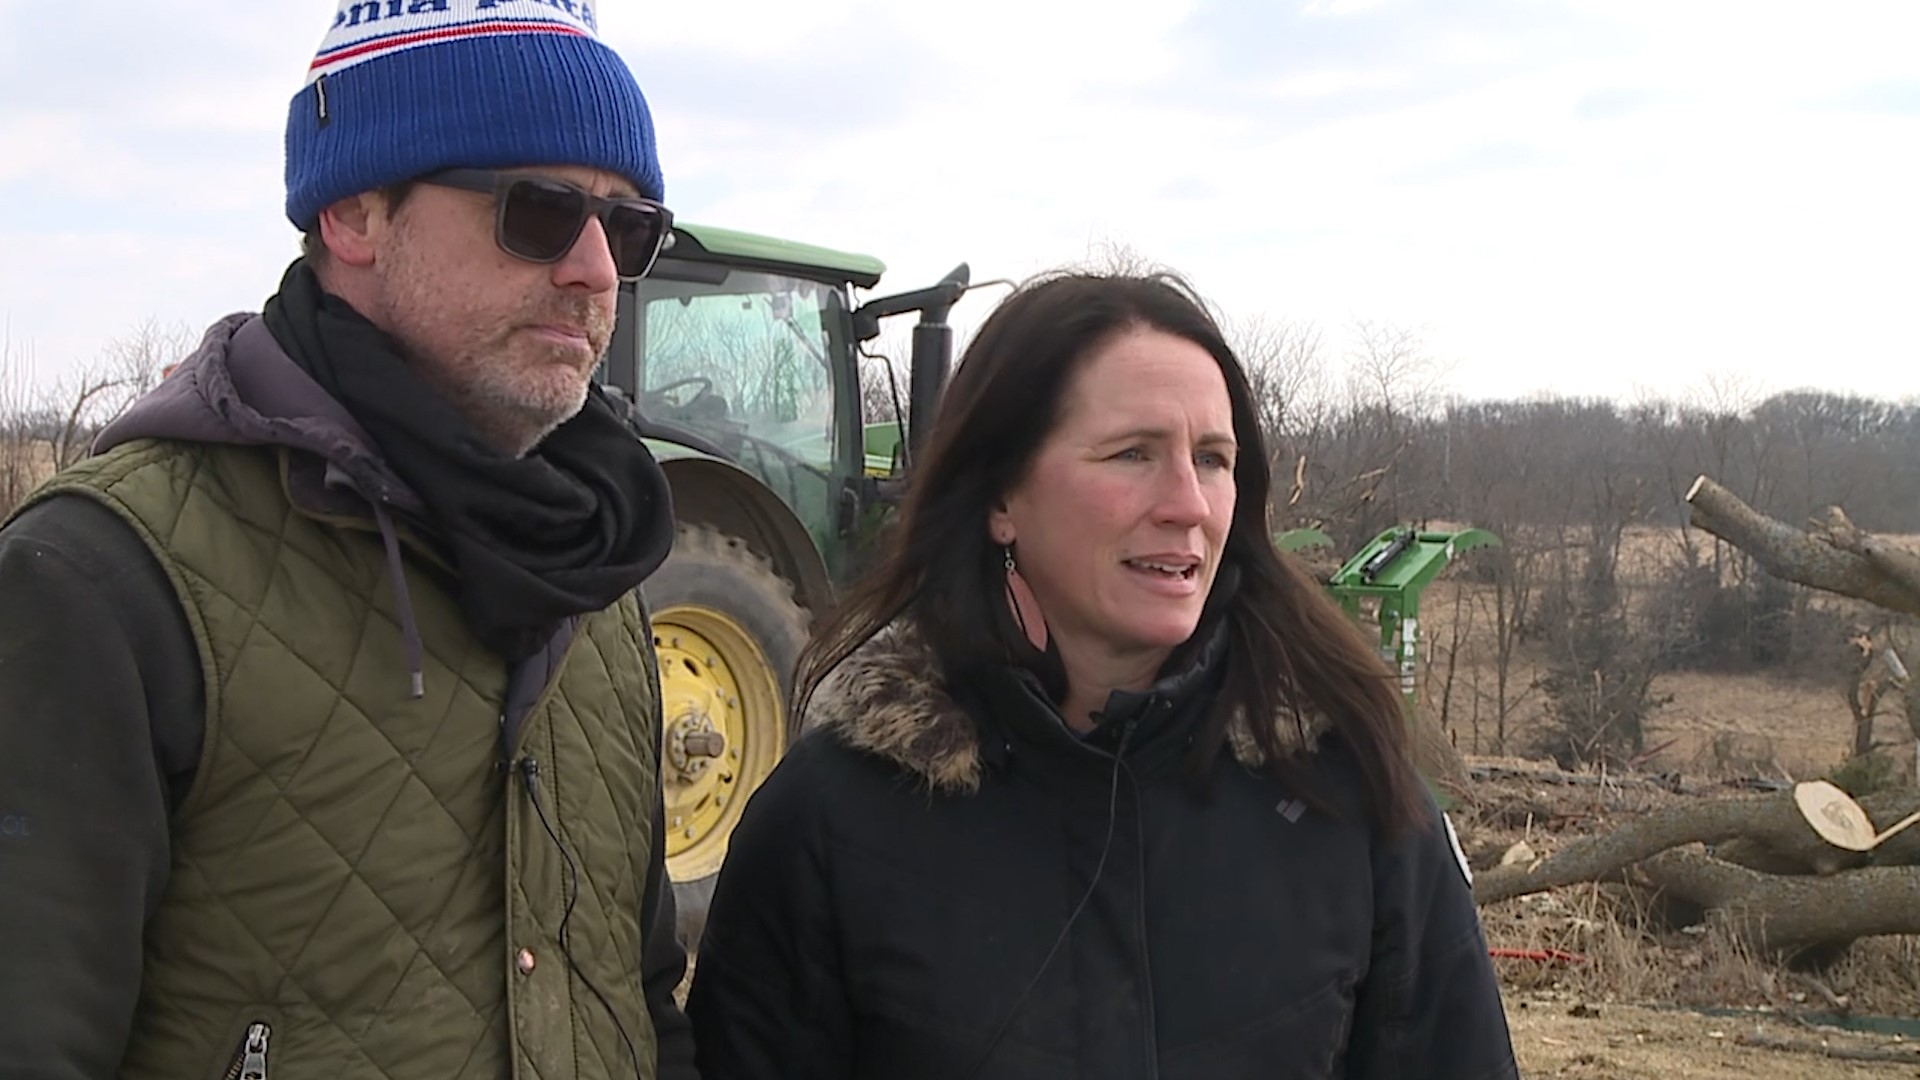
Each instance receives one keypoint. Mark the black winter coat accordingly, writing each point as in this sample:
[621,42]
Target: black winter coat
[929,888]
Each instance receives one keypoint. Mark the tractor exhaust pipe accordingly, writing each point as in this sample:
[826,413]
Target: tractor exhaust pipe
[932,346]
[932,358]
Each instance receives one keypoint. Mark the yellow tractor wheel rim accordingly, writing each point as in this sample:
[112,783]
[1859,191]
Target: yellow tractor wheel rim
[714,679]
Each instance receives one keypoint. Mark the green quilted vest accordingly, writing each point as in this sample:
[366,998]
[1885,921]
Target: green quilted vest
[355,878]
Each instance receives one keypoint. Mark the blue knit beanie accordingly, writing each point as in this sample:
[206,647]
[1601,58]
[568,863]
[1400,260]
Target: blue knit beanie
[401,88]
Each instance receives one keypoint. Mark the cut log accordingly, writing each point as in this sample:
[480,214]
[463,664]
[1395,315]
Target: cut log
[1807,854]
[1768,831]
[1836,558]
[1779,913]
[1771,819]
[1558,777]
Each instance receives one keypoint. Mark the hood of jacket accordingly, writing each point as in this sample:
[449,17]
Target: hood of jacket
[240,387]
[888,698]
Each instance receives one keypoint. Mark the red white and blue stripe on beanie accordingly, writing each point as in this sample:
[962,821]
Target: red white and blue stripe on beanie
[368,29]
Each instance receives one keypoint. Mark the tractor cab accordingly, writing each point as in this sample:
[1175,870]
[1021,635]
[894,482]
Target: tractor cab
[738,349]
[736,359]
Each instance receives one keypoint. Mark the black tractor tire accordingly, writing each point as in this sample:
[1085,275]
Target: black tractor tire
[715,588]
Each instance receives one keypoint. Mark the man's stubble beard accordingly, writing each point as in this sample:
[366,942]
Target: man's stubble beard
[509,387]
[517,397]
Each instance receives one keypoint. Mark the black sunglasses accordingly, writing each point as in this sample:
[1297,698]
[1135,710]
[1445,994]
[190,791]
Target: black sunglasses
[539,219]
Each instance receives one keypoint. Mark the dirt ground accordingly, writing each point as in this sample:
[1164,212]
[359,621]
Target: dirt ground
[1553,1038]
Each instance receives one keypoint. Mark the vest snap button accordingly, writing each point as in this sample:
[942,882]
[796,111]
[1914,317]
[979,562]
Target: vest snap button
[524,961]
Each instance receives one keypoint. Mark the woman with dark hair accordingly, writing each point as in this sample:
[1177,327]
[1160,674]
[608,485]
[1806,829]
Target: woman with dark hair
[1097,782]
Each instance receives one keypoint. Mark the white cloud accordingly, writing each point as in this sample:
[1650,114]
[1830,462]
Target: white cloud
[1339,7]
[1584,196]
[1334,82]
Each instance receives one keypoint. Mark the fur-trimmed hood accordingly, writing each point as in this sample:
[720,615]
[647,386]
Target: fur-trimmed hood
[888,699]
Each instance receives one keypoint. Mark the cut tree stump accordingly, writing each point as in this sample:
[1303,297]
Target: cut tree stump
[1807,854]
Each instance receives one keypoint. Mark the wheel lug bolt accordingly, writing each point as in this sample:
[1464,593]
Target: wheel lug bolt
[705,743]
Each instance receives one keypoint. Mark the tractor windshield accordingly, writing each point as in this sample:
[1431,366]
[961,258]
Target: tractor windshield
[741,363]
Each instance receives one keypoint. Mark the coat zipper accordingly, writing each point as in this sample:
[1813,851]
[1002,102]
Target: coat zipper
[1140,930]
[250,1057]
[1140,909]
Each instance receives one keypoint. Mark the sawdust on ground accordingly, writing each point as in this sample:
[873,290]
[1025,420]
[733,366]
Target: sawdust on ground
[1553,1038]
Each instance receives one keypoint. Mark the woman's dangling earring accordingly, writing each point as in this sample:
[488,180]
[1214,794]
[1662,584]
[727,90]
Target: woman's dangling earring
[1026,606]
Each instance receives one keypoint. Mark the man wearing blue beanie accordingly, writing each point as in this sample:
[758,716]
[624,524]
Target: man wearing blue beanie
[329,722]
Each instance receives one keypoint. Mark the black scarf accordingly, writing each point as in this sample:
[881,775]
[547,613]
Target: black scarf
[566,530]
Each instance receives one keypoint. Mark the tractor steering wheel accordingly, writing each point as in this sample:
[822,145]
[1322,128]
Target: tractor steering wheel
[662,393]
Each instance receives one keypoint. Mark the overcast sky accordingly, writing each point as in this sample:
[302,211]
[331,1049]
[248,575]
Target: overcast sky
[1607,197]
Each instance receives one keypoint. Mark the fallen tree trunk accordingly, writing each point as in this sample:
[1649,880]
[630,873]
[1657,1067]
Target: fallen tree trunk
[1561,778]
[1775,912]
[1603,857]
[1836,557]
[1769,827]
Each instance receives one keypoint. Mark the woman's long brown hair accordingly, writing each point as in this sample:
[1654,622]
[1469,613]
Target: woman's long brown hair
[1292,652]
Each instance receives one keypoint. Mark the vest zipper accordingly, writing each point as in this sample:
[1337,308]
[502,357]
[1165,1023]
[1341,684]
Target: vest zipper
[250,1057]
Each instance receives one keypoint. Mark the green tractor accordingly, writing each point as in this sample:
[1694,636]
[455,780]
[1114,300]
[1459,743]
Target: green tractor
[737,359]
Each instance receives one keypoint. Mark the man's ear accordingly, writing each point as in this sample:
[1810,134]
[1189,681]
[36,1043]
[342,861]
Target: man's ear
[351,226]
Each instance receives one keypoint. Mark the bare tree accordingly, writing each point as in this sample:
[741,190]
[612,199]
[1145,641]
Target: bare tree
[1287,375]
[1460,630]
[1285,366]
[1366,472]
[1599,677]
[1515,588]
[91,397]
[20,457]
[886,376]
[1391,370]
[1877,673]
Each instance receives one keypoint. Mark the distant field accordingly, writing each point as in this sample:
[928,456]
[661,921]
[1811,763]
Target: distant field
[1721,724]
[23,464]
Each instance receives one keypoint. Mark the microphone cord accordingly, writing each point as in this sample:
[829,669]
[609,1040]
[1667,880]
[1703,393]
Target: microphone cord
[1099,868]
[530,774]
